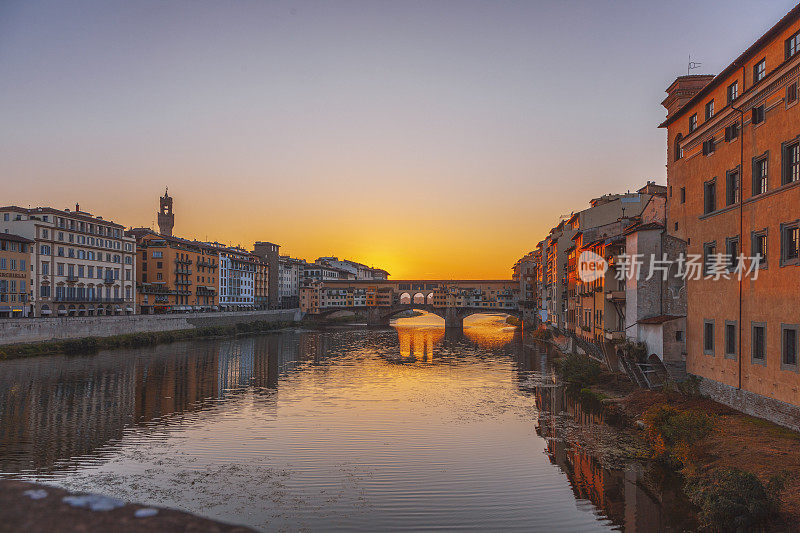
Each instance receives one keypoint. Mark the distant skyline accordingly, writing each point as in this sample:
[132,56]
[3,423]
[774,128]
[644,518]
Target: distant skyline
[433,139]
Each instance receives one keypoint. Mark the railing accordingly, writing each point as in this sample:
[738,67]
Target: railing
[182,282]
[88,299]
[183,261]
[108,281]
[72,278]
[184,271]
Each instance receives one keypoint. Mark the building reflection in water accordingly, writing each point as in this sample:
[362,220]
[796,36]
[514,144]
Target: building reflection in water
[617,494]
[56,408]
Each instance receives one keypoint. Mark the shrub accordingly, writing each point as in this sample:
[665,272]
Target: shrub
[731,499]
[542,334]
[633,350]
[578,371]
[674,434]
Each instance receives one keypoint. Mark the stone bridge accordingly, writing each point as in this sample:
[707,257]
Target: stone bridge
[453,300]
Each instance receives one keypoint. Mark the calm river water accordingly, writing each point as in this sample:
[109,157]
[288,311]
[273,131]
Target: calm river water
[406,428]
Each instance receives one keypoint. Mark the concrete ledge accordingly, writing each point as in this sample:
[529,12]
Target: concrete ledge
[25,330]
[782,413]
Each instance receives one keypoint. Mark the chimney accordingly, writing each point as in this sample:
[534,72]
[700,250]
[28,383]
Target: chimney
[683,89]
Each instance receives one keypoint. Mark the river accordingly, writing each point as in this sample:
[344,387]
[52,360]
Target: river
[404,428]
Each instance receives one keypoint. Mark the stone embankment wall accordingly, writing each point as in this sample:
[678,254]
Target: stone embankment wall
[753,404]
[19,330]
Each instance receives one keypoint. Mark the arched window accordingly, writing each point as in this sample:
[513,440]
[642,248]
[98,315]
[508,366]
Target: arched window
[678,149]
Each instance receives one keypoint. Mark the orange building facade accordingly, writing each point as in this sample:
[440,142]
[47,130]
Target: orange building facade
[733,172]
[15,275]
[175,275]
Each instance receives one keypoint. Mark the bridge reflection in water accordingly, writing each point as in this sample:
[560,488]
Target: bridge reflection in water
[420,337]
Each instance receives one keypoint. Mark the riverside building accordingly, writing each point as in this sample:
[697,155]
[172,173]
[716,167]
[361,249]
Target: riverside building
[237,278]
[82,265]
[15,275]
[733,171]
[174,274]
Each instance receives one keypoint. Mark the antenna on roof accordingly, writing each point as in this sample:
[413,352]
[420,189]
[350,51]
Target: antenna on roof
[692,65]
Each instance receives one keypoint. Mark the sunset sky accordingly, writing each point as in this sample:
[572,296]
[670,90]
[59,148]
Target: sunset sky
[433,139]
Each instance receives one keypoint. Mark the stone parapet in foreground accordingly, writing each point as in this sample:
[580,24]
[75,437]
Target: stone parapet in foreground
[38,509]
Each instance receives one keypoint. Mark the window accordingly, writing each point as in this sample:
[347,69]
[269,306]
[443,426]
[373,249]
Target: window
[678,148]
[732,132]
[791,45]
[708,146]
[759,338]
[732,251]
[730,339]
[708,337]
[789,346]
[158,255]
[757,114]
[679,335]
[760,175]
[693,122]
[709,256]
[791,163]
[733,91]
[759,247]
[791,93]
[790,243]
[683,195]
[709,109]
[759,70]
[710,196]
[732,187]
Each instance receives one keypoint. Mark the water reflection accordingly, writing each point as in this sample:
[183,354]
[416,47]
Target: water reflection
[317,429]
[619,493]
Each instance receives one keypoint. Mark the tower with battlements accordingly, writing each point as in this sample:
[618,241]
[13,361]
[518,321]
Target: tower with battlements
[166,219]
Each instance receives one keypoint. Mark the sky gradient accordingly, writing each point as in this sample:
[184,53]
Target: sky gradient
[433,139]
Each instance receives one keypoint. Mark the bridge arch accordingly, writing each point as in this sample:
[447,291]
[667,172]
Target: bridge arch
[419,298]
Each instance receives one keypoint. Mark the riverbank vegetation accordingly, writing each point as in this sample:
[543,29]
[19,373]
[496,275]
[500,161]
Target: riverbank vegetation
[134,340]
[741,473]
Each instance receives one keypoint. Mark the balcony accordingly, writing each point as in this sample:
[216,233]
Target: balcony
[615,335]
[616,296]
[183,271]
[72,278]
[109,280]
[180,261]
[208,264]
[182,282]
